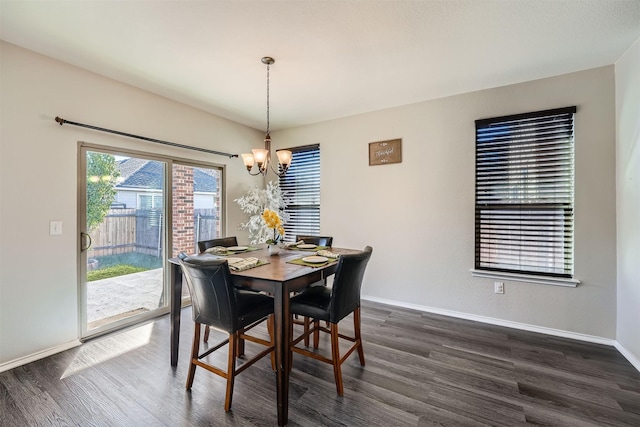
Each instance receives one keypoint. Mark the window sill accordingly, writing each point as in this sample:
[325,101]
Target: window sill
[555,281]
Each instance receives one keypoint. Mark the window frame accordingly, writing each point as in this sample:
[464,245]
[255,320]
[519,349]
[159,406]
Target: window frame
[310,186]
[496,211]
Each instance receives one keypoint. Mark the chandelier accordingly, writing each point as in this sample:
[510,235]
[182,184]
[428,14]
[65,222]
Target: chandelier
[261,156]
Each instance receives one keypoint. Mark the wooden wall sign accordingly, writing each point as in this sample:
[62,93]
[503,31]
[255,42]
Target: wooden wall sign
[385,152]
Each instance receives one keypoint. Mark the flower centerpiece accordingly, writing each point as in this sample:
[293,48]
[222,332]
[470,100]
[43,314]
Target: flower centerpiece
[273,221]
[254,204]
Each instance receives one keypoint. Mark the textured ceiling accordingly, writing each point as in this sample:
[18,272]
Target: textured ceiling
[333,58]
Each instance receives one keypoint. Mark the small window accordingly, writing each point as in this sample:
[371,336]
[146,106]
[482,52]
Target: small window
[150,201]
[301,188]
[524,193]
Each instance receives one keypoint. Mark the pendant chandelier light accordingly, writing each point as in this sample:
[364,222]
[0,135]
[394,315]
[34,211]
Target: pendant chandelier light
[262,156]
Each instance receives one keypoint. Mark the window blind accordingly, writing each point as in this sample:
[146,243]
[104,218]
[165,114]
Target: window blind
[524,193]
[301,188]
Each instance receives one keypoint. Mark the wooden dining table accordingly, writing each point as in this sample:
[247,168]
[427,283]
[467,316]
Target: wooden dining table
[279,278]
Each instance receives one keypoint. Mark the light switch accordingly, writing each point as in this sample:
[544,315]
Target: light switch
[55,228]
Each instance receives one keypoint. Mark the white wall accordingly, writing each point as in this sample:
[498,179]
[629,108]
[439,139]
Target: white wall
[38,170]
[419,215]
[628,197]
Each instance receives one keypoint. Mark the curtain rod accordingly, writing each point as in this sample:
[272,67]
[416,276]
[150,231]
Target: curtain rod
[159,141]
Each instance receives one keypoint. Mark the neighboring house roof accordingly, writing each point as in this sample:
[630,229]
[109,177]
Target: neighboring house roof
[204,180]
[147,174]
[139,173]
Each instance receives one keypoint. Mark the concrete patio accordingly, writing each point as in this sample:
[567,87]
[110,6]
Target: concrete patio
[123,296]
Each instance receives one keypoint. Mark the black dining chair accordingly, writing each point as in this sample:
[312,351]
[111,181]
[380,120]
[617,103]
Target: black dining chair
[217,303]
[203,245]
[320,241]
[332,305]
[316,240]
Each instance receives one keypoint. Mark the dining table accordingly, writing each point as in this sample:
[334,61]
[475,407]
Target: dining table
[280,277]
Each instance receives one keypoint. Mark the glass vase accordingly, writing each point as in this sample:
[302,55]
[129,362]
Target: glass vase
[273,249]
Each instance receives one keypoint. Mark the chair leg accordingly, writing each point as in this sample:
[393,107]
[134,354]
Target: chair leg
[306,322]
[240,349]
[357,335]
[195,348]
[316,334]
[270,324]
[290,355]
[335,358]
[206,333]
[231,369]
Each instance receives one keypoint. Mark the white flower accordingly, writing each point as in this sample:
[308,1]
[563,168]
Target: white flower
[254,204]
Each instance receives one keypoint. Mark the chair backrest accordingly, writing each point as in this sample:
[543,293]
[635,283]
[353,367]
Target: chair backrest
[345,293]
[203,245]
[316,240]
[213,296]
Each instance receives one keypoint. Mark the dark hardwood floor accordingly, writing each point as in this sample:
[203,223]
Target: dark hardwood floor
[421,370]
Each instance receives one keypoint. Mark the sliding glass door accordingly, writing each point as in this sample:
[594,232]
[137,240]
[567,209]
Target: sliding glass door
[136,211]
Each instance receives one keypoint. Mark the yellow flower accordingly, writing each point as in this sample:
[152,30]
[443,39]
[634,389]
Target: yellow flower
[273,220]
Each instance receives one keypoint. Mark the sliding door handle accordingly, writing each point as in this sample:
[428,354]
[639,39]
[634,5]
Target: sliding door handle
[85,238]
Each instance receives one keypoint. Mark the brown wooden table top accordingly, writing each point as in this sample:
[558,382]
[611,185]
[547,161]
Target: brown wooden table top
[278,268]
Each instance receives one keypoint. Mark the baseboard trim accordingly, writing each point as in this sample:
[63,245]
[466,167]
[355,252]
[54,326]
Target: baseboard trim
[500,322]
[628,355]
[39,355]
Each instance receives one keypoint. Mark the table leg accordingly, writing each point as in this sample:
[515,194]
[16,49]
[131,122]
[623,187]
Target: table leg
[282,341]
[175,291]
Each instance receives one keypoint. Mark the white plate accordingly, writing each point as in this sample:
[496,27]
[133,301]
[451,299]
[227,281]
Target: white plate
[237,248]
[315,259]
[306,246]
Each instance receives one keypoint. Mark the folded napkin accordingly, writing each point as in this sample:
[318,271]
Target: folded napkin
[328,254]
[216,250]
[241,264]
[287,245]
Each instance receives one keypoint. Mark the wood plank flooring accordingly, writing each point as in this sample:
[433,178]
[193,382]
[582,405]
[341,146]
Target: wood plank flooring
[421,370]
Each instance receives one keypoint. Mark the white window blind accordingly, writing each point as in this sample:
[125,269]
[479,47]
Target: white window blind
[524,193]
[301,187]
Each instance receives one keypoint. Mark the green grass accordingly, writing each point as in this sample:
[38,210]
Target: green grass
[121,264]
[113,271]
[149,262]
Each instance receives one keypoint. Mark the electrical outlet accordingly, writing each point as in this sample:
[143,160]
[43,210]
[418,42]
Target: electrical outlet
[498,287]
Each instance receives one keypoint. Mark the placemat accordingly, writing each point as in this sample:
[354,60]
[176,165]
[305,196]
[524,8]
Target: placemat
[299,261]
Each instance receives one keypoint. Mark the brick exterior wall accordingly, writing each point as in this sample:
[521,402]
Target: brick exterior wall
[183,238]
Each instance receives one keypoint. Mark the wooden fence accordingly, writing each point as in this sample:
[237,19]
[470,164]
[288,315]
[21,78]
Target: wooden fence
[206,225]
[116,234]
[139,230]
